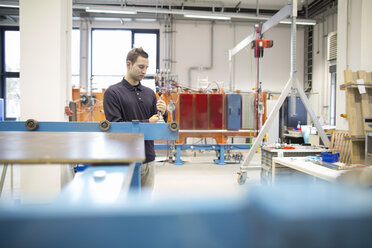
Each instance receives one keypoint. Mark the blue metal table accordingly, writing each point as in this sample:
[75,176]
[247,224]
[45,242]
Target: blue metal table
[118,150]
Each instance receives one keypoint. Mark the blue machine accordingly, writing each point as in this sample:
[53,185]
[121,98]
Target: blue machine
[234,103]
[216,147]
[152,131]
[122,177]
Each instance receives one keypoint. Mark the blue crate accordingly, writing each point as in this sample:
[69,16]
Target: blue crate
[330,157]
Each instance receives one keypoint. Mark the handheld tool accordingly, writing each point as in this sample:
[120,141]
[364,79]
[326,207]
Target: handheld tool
[159,112]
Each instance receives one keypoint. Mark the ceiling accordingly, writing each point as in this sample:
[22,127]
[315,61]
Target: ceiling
[264,4]
[243,10]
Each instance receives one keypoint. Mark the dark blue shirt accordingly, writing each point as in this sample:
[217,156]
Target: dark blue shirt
[123,102]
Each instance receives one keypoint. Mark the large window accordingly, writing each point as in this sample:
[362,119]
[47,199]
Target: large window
[10,67]
[108,54]
[109,51]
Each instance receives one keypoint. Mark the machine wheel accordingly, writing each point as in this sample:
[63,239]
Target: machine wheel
[242,177]
[104,125]
[31,124]
[173,126]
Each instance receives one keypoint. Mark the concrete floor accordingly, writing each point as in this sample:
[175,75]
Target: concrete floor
[199,176]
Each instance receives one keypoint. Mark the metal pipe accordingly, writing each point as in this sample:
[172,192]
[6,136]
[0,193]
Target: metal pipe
[293,59]
[257,8]
[84,54]
[347,33]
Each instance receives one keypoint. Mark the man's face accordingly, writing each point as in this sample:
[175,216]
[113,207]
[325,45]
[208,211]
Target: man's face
[138,70]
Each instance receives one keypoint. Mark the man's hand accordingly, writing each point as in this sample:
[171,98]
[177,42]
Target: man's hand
[154,119]
[160,105]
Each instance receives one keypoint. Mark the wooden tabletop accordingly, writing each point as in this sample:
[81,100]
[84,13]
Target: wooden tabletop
[71,147]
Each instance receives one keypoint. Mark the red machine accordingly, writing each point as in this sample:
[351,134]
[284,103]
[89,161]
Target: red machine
[259,45]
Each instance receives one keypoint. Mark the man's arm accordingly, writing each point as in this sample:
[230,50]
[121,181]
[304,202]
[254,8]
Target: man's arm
[161,107]
[111,107]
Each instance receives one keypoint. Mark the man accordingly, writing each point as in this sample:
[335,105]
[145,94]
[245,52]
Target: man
[129,100]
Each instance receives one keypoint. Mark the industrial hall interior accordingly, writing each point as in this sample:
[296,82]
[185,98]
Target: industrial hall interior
[185,123]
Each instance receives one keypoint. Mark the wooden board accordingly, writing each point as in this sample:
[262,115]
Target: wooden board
[354,112]
[341,145]
[357,151]
[358,106]
[71,147]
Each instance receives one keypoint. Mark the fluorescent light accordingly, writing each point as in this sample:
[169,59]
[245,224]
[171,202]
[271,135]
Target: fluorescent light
[111,11]
[216,17]
[145,19]
[9,5]
[300,22]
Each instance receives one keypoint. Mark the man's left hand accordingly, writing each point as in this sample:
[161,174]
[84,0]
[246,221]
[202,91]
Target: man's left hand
[160,105]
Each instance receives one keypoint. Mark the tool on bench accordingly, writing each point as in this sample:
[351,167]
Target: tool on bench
[326,164]
[159,112]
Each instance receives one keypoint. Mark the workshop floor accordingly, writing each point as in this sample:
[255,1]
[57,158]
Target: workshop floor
[199,176]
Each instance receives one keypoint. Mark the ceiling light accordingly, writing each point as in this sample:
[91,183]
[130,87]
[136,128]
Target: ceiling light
[215,17]
[9,5]
[300,22]
[111,11]
[145,20]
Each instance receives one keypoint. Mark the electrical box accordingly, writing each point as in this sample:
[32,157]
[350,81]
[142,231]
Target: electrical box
[248,111]
[301,113]
[201,111]
[216,111]
[186,111]
[234,103]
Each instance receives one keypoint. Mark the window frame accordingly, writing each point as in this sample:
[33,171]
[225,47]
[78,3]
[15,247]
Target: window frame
[4,73]
[133,32]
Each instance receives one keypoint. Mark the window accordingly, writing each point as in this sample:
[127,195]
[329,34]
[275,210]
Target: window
[332,70]
[10,67]
[110,48]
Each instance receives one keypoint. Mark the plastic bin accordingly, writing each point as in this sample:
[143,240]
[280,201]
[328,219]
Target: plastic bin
[330,157]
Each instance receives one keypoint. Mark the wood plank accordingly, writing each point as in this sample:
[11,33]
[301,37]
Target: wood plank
[354,112]
[71,147]
[366,100]
[369,78]
[340,144]
[367,108]
[357,152]
[348,77]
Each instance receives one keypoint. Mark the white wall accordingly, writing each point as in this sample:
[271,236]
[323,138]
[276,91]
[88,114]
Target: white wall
[320,97]
[192,41]
[193,49]
[353,45]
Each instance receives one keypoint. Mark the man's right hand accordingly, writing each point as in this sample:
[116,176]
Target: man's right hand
[154,119]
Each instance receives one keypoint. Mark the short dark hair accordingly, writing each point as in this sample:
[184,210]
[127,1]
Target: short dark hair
[135,53]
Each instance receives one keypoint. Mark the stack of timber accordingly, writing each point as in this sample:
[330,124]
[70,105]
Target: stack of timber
[358,88]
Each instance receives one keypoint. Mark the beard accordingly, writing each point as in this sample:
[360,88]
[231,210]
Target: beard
[137,77]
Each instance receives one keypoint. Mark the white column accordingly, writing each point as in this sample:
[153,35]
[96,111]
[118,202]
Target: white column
[366,36]
[45,77]
[342,42]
